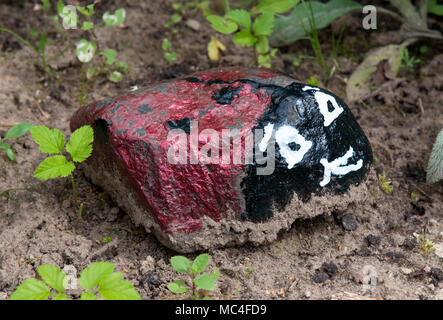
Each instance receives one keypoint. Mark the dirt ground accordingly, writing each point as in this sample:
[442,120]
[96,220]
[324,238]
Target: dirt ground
[316,259]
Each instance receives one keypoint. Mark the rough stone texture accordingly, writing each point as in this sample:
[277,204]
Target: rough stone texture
[322,157]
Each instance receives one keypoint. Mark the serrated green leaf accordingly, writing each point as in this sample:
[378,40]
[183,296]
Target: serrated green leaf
[113,289]
[49,140]
[222,25]
[263,24]
[275,6]
[177,286]
[87,25]
[262,45]
[115,76]
[200,263]
[85,50]
[54,277]
[435,165]
[205,282]
[294,26]
[91,276]
[244,38]
[114,19]
[241,17]
[181,264]
[110,55]
[18,130]
[54,166]
[31,289]
[88,296]
[61,296]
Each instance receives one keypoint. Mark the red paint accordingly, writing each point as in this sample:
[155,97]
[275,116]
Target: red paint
[178,195]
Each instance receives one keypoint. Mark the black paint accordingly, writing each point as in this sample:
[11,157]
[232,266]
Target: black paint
[184,124]
[226,95]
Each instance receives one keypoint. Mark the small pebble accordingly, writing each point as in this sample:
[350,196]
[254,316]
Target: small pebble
[349,223]
[321,277]
[308,294]
[406,271]
[372,240]
[193,24]
[437,274]
[329,268]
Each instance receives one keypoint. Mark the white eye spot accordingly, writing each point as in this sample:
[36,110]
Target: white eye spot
[268,133]
[284,136]
[339,166]
[322,100]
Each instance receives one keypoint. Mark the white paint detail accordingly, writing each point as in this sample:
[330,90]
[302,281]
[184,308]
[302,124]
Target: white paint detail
[263,145]
[339,166]
[322,99]
[284,136]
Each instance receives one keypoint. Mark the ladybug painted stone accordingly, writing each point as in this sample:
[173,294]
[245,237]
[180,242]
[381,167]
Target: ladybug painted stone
[226,156]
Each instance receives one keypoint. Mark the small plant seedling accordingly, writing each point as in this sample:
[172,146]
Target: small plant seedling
[407,61]
[248,270]
[168,53]
[313,81]
[52,141]
[385,183]
[205,282]
[98,281]
[426,245]
[15,132]
[107,239]
[253,33]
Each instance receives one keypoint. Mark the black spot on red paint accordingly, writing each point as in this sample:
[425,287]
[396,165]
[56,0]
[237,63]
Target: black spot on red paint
[183,124]
[144,108]
[100,127]
[226,95]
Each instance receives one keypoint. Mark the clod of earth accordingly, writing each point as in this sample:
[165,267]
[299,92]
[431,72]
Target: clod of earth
[226,156]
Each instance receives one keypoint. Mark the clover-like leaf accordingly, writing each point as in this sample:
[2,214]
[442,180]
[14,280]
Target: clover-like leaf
[177,286]
[53,167]
[222,25]
[79,145]
[110,55]
[85,50]
[31,289]
[54,277]
[200,263]
[264,24]
[181,264]
[241,17]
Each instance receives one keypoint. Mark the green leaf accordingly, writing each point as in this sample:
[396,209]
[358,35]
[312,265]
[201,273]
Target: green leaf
[200,263]
[435,164]
[222,25]
[111,287]
[171,56]
[18,130]
[91,276]
[50,141]
[69,16]
[115,76]
[54,166]
[60,7]
[61,296]
[293,27]
[87,11]
[177,286]
[54,277]
[205,282]
[42,43]
[166,45]
[10,154]
[114,19]
[31,289]
[435,8]
[46,5]
[88,296]
[275,6]
[90,72]
[110,55]
[244,38]
[241,17]
[262,45]
[215,275]
[87,25]
[181,264]
[85,50]
[263,24]
[313,81]
[121,65]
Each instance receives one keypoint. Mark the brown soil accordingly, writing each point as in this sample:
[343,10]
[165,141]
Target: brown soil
[379,259]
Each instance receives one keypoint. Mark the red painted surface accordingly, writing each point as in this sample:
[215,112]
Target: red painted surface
[178,195]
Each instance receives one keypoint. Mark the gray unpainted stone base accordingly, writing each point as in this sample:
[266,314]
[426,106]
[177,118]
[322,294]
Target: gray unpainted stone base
[229,231]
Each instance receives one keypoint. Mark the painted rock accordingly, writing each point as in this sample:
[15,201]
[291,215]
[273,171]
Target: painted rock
[226,156]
